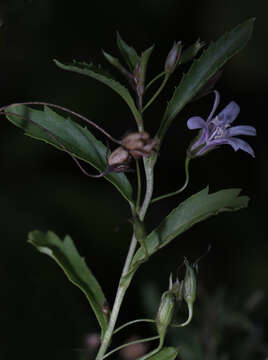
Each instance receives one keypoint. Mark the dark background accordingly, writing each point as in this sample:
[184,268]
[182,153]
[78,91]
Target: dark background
[41,314]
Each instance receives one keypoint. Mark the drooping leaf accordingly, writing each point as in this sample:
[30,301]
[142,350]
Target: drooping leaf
[202,69]
[191,51]
[89,70]
[76,139]
[167,353]
[193,210]
[75,268]
[129,53]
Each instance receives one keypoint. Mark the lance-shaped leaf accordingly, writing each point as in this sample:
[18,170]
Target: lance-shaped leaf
[93,72]
[74,266]
[129,53]
[76,139]
[196,208]
[212,59]
[145,56]
[167,353]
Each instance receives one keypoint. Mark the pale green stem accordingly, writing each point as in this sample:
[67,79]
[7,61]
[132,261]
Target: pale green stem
[131,343]
[122,288]
[155,351]
[133,322]
[157,92]
[149,172]
[138,185]
[190,316]
[187,161]
[154,79]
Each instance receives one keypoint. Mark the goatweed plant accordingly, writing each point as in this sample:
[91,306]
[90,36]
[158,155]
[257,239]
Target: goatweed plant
[138,149]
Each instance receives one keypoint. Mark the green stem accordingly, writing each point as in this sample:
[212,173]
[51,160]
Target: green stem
[157,92]
[149,173]
[122,288]
[138,185]
[154,79]
[133,322]
[190,316]
[131,343]
[155,351]
[187,161]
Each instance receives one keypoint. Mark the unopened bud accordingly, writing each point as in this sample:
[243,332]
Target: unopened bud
[173,57]
[138,79]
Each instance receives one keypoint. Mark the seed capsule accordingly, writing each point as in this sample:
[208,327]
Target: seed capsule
[189,287]
[165,312]
[119,160]
[139,144]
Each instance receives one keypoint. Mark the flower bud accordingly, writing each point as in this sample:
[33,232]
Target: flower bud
[173,57]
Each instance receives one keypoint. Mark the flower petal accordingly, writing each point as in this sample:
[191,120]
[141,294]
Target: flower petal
[196,122]
[241,130]
[215,105]
[240,144]
[229,113]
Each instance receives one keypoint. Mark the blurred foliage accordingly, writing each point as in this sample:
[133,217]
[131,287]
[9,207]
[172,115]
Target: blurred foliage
[42,315]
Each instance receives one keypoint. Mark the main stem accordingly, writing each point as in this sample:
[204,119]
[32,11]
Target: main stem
[125,282]
[122,288]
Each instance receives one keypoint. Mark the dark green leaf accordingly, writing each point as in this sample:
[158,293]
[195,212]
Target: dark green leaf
[189,53]
[78,140]
[115,62]
[74,266]
[89,70]
[129,53]
[196,208]
[167,353]
[145,56]
[204,68]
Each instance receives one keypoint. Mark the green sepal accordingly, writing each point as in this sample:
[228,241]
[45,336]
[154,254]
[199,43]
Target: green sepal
[75,268]
[98,74]
[77,140]
[193,210]
[202,69]
[129,53]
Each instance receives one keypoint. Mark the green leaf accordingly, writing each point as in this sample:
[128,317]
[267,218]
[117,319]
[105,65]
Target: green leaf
[193,210]
[97,74]
[145,56]
[78,140]
[75,268]
[129,53]
[204,68]
[167,353]
[189,53]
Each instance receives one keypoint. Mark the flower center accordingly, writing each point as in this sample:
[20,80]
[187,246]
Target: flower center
[218,130]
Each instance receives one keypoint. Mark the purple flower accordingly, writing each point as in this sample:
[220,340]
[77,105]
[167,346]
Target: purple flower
[217,130]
